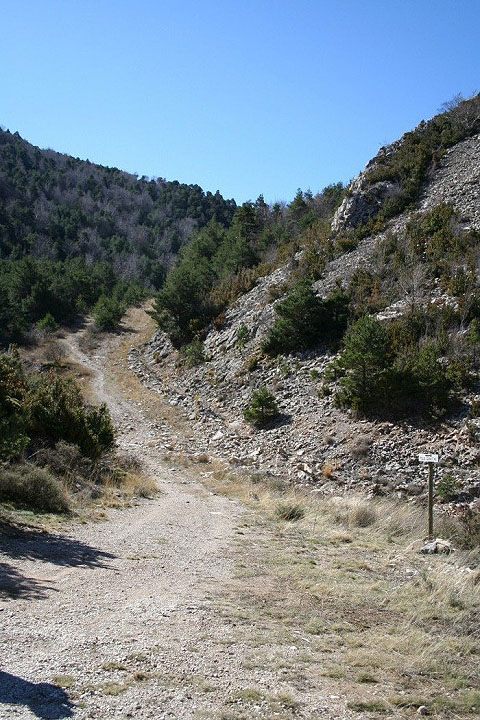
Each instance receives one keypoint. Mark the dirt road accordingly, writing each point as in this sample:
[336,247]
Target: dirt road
[123,618]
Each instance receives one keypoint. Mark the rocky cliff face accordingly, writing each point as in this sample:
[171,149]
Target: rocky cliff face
[363,198]
[454,181]
[315,443]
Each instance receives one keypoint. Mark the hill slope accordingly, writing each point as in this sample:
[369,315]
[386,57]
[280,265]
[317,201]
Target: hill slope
[56,206]
[418,275]
[71,231]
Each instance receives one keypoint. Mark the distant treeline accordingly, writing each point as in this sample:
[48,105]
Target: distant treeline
[86,230]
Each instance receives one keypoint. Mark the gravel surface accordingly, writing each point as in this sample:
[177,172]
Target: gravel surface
[130,617]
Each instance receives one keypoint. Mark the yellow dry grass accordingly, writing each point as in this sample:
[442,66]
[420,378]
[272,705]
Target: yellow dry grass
[383,625]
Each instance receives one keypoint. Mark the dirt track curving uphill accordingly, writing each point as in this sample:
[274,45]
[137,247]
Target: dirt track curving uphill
[120,618]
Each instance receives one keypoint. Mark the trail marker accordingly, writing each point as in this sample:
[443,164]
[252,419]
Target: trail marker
[431,459]
[428,458]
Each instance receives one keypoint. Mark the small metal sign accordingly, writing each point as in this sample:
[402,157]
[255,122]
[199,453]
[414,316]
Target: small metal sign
[428,458]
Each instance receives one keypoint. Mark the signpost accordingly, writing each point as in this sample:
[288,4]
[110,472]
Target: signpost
[431,459]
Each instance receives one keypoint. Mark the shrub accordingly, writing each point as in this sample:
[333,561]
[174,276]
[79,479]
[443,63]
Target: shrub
[252,362]
[193,353]
[262,408]
[303,320]
[48,323]
[421,383]
[364,360]
[362,515]
[13,389]
[33,487]
[56,412]
[107,313]
[219,321]
[275,291]
[67,462]
[463,528]
[383,375]
[243,335]
[448,487]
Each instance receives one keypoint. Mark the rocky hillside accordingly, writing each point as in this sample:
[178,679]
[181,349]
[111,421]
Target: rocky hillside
[313,441]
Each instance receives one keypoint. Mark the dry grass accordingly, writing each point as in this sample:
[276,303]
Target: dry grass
[328,469]
[63,681]
[385,626]
[121,487]
[289,511]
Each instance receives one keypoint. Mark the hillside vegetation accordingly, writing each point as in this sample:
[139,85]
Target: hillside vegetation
[220,264]
[72,232]
[57,454]
[420,363]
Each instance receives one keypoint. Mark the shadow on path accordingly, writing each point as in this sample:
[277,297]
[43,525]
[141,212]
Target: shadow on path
[45,700]
[15,585]
[31,544]
[22,543]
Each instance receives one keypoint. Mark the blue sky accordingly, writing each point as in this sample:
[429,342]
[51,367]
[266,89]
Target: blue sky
[245,96]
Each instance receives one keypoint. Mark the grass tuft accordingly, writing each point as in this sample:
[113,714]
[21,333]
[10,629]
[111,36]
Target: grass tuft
[289,511]
[363,515]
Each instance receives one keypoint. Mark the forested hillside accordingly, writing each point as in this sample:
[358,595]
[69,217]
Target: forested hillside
[72,232]
[220,264]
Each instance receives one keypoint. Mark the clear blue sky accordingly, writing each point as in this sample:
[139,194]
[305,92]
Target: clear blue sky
[247,96]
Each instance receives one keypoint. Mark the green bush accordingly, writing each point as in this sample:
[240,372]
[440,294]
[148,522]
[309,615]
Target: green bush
[48,323]
[448,487]
[382,375]
[193,353]
[243,335]
[107,313]
[419,382]
[304,320]
[262,408]
[46,407]
[33,487]
[364,361]
[56,412]
[13,391]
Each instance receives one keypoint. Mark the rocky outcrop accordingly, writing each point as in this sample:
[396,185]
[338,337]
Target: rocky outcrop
[364,198]
[315,443]
[455,181]
[362,202]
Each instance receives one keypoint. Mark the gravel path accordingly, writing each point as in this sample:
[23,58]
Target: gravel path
[154,612]
[112,605]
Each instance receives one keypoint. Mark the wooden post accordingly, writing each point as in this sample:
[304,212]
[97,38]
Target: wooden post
[429,458]
[430,500]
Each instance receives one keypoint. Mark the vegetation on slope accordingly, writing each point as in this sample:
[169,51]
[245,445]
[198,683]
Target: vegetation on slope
[417,154]
[219,263]
[52,446]
[38,409]
[72,231]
